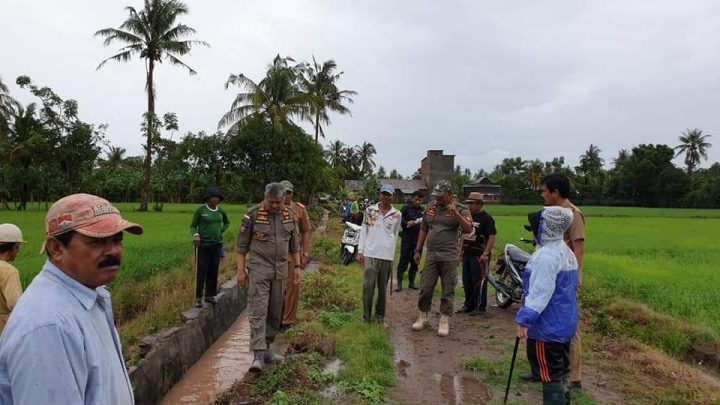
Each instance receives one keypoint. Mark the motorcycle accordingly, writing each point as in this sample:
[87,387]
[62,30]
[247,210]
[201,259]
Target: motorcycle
[509,282]
[349,243]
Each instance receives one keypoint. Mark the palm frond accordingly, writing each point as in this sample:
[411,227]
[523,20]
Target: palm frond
[120,57]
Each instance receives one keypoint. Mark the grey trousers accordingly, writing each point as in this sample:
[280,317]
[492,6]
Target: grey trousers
[377,273]
[447,272]
[265,299]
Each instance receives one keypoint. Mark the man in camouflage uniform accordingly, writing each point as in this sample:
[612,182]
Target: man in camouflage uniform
[269,234]
[292,293]
[442,225]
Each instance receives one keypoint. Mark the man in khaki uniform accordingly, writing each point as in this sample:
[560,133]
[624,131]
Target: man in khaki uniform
[292,292]
[555,192]
[269,234]
[442,225]
[10,289]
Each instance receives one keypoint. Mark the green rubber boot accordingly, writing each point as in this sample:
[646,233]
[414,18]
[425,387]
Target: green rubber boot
[555,393]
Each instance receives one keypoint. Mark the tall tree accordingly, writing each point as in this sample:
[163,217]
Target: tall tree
[26,142]
[694,145]
[366,151]
[335,154]
[8,106]
[590,162]
[277,97]
[319,82]
[115,158]
[153,35]
[381,173]
[533,172]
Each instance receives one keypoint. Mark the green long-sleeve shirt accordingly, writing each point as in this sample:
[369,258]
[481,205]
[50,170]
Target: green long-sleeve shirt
[209,224]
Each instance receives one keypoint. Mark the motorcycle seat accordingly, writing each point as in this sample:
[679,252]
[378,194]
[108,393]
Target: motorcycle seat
[518,255]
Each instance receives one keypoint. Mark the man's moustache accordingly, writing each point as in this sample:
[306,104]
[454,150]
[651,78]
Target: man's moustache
[109,261]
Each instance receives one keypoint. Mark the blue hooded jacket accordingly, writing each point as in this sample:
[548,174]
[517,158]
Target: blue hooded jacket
[550,282]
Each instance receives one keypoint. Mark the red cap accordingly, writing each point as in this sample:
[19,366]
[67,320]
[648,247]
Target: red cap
[89,215]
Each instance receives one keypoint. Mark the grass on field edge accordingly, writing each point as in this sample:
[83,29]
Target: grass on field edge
[149,306]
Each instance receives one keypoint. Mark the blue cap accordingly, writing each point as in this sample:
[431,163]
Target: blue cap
[386,188]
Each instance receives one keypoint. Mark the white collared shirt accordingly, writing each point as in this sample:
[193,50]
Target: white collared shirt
[379,233]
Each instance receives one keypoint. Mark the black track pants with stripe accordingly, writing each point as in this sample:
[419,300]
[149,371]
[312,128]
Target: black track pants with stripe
[549,360]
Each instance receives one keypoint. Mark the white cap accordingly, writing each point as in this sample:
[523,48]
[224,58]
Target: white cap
[10,233]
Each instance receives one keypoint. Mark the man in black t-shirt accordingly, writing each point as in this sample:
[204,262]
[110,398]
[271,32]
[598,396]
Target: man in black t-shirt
[476,249]
[412,214]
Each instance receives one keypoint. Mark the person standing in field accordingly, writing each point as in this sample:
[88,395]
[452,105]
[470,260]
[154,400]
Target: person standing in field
[60,345]
[268,234]
[442,225]
[556,192]
[376,250]
[548,317]
[476,249]
[10,288]
[209,222]
[412,214]
[292,293]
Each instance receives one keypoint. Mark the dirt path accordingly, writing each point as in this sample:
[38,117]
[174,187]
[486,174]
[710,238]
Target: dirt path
[429,367]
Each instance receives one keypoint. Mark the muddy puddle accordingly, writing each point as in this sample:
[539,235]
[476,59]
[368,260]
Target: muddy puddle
[225,361]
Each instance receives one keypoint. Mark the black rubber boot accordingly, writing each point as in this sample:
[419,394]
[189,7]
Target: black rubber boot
[555,393]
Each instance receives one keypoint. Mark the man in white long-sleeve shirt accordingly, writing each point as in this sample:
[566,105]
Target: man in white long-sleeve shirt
[378,236]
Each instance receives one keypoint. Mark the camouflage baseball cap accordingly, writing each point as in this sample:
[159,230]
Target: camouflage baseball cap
[442,186]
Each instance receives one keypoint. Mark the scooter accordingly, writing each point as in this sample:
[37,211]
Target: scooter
[349,243]
[509,282]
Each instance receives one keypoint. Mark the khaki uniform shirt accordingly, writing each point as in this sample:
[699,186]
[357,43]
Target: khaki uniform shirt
[443,233]
[10,291]
[301,217]
[269,239]
[576,230]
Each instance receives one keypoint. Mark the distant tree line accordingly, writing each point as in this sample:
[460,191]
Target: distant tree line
[642,176]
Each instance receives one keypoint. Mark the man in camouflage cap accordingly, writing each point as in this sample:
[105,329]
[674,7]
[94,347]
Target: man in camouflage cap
[269,234]
[442,225]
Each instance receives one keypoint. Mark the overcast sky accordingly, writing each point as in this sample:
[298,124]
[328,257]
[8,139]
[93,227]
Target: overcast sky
[483,80]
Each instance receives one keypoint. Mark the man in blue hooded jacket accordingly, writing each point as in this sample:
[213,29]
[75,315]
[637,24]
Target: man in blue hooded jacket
[548,317]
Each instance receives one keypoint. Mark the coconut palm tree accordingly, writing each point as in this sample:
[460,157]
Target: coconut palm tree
[533,173]
[277,97]
[26,143]
[694,145]
[115,158]
[319,82]
[365,153]
[335,154]
[8,107]
[153,35]
[622,157]
[590,163]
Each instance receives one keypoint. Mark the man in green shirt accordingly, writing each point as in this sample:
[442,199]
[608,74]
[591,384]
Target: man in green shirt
[208,225]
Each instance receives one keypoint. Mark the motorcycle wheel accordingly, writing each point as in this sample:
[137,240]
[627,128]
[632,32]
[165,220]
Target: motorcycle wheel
[346,257]
[502,300]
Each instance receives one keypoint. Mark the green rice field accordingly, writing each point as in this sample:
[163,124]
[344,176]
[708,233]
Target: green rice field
[665,258]
[165,243]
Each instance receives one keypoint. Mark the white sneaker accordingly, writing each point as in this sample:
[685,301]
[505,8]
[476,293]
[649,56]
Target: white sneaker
[444,328]
[421,321]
